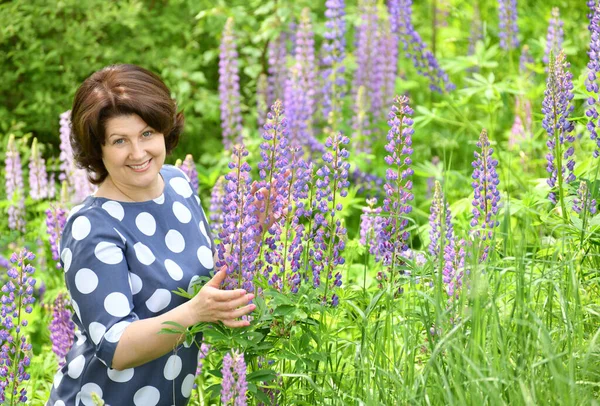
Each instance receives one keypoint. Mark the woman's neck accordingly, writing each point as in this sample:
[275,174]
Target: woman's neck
[110,190]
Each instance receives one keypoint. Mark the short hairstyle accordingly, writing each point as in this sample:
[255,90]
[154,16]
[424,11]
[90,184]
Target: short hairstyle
[119,90]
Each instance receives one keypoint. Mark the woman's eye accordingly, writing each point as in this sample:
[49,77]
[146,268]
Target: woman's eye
[118,142]
[147,133]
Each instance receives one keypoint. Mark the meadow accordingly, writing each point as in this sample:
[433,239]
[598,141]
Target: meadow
[433,172]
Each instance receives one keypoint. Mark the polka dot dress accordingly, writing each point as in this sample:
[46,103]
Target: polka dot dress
[122,261]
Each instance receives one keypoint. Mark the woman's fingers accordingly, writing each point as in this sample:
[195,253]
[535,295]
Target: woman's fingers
[236,323]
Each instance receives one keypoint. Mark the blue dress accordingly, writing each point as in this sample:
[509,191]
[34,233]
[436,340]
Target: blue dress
[122,261]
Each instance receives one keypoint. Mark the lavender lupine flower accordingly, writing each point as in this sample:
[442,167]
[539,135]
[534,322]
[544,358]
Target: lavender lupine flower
[592,6]
[15,353]
[38,178]
[239,225]
[217,197]
[14,187]
[476,33]
[555,35]
[591,83]
[507,12]
[454,267]
[521,129]
[56,217]
[335,52]
[229,88]
[361,134]
[67,164]
[62,328]
[486,200]
[415,49]
[189,168]
[388,45]
[367,183]
[261,99]
[583,201]
[556,108]
[525,59]
[51,186]
[305,59]
[393,237]
[440,222]
[328,235]
[82,186]
[234,386]
[277,54]
[202,353]
[367,224]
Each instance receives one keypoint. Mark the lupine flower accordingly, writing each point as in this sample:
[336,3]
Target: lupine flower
[583,201]
[234,386]
[592,4]
[229,88]
[14,187]
[507,10]
[261,99]
[239,225]
[202,353]
[38,178]
[423,59]
[524,60]
[277,53]
[56,217]
[217,197]
[335,52]
[454,267]
[328,234]
[62,328]
[521,129]
[361,134]
[388,57]
[486,199]
[367,224]
[476,33]
[393,237]
[555,35]
[15,353]
[591,83]
[305,58]
[67,164]
[440,223]
[189,168]
[366,183]
[51,186]
[556,108]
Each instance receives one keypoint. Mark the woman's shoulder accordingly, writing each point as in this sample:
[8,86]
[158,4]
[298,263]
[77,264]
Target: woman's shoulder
[171,171]
[92,217]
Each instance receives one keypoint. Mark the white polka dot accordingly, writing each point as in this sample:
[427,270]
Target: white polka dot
[182,213]
[75,210]
[114,209]
[120,235]
[135,283]
[58,378]
[116,304]
[114,334]
[86,280]
[75,367]
[205,257]
[76,308]
[160,199]
[81,228]
[186,386]
[181,187]
[108,253]
[78,398]
[86,393]
[143,254]
[59,403]
[192,284]
[80,338]
[146,223]
[174,270]
[172,367]
[203,230]
[175,241]
[120,376]
[184,174]
[146,396]
[159,300]
[66,255]
[97,331]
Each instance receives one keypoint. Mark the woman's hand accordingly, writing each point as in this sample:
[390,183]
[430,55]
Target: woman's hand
[213,304]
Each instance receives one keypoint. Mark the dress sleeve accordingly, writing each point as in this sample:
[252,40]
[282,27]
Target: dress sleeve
[97,277]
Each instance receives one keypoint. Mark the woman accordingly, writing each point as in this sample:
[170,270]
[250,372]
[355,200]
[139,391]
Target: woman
[126,248]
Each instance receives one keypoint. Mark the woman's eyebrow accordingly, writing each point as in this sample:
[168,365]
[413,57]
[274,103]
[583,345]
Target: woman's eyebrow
[121,135]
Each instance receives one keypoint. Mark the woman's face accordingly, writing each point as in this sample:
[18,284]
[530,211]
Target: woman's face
[133,152]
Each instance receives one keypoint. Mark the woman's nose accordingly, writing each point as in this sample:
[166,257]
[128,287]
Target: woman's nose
[137,152]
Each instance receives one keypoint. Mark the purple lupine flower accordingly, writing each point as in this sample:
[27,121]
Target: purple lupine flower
[486,199]
[454,267]
[305,59]
[440,222]
[234,386]
[51,186]
[38,178]
[15,353]
[591,83]
[392,237]
[367,183]
[62,328]
[583,201]
[388,50]
[329,233]
[334,48]
[14,187]
[56,217]
[525,59]
[189,168]
[67,163]
[202,353]
[261,99]
[556,108]
[507,13]
[217,197]
[277,55]
[361,134]
[229,88]
[82,186]
[521,129]
[239,225]
[367,224]
[592,4]
[555,35]
[423,59]
[476,33]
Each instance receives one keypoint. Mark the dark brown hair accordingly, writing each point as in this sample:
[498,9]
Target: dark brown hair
[119,90]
